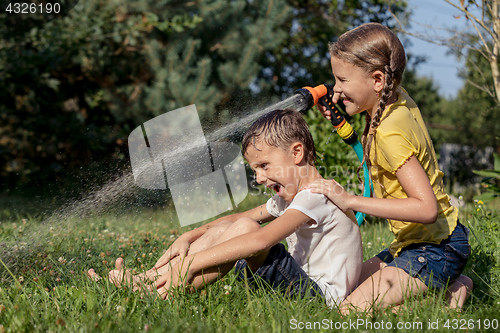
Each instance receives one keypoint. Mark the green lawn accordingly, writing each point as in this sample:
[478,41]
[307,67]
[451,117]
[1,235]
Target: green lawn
[45,287]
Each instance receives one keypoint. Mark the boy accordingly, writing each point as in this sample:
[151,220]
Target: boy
[324,243]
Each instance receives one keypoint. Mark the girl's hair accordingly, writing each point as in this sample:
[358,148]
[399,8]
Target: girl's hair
[280,128]
[372,47]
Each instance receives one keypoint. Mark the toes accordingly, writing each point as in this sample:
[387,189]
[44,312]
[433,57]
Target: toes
[119,263]
[162,292]
[93,275]
[115,276]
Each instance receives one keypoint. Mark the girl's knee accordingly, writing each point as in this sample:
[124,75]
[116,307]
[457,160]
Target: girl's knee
[463,280]
[370,267]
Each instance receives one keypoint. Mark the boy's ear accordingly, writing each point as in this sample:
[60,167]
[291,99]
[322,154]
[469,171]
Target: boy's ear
[297,150]
[379,80]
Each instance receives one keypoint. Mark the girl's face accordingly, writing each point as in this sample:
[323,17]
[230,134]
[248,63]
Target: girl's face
[356,88]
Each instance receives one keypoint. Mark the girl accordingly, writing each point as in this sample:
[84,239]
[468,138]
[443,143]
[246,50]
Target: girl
[431,247]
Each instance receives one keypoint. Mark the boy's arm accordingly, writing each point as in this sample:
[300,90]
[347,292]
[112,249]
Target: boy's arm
[259,214]
[244,246]
[181,245]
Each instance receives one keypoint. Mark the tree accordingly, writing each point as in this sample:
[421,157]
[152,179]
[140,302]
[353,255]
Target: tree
[481,35]
[72,89]
[475,113]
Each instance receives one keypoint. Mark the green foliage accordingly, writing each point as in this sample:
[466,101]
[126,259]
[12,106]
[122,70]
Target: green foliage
[72,90]
[484,263]
[491,182]
[474,115]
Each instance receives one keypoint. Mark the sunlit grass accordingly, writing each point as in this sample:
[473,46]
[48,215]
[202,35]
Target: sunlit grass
[44,286]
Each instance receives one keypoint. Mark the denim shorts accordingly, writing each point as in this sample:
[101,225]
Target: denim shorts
[436,265]
[281,272]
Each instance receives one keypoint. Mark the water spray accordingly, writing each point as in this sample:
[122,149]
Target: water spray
[323,94]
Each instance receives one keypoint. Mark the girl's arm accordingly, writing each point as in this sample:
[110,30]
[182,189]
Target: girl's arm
[244,246]
[420,206]
[181,245]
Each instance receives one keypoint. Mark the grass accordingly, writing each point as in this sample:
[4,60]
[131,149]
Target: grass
[44,287]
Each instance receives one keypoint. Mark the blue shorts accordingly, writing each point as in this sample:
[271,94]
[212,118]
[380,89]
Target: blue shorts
[281,272]
[436,265]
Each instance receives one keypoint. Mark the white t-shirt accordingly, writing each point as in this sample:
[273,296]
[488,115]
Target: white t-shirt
[328,248]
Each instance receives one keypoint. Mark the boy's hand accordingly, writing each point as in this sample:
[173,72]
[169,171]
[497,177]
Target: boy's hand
[178,249]
[179,275]
[332,190]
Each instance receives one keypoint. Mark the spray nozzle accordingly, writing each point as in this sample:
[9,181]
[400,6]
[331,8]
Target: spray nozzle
[311,96]
[323,94]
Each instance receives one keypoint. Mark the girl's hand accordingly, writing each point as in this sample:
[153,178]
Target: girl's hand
[327,114]
[178,249]
[332,190]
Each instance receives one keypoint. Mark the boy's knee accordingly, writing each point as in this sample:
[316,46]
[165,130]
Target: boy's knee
[245,225]
[218,229]
[223,225]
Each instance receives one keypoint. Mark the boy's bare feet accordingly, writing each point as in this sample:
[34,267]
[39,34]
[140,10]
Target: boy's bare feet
[123,277]
[119,275]
[459,291]
[93,275]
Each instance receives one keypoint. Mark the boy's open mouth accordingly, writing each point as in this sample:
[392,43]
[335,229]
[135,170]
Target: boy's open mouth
[276,188]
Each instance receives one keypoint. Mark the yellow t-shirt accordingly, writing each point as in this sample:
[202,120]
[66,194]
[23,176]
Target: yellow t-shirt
[401,134]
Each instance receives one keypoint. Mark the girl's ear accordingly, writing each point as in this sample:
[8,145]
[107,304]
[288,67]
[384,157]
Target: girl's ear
[379,80]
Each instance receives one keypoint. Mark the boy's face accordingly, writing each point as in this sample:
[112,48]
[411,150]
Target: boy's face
[276,168]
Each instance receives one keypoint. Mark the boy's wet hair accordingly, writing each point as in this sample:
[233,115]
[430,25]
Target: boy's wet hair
[281,128]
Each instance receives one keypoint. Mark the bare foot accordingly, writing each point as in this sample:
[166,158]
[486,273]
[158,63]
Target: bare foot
[123,277]
[458,292]
[93,275]
[119,275]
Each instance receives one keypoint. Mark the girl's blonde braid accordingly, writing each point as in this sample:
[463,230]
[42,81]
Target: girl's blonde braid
[386,94]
